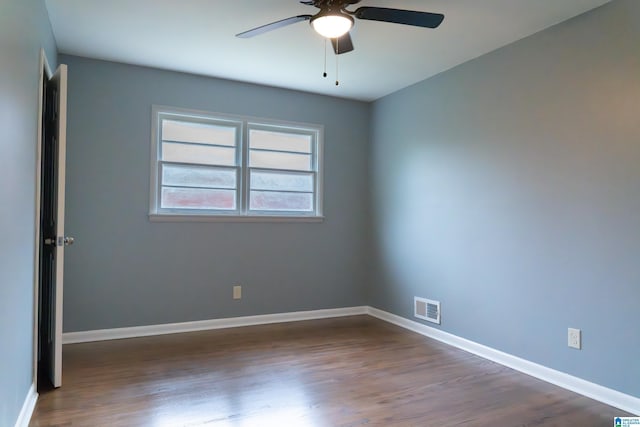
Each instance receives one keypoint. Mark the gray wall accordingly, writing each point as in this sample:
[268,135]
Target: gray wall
[24,29]
[508,188]
[127,271]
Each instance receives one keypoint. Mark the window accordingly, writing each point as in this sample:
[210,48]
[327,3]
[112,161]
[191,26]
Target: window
[209,166]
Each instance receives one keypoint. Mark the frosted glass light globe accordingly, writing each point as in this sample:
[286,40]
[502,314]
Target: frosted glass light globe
[332,26]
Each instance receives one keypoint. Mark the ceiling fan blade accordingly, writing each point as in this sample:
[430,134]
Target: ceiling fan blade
[342,44]
[273,26]
[399,16]
[307,2]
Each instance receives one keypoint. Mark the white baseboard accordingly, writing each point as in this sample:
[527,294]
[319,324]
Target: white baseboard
[594,391]
[202,325]
[27,407]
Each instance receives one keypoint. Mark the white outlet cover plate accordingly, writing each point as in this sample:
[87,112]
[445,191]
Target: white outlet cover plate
[575,338]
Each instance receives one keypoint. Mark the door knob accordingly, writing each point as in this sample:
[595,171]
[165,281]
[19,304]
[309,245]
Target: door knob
[69,241]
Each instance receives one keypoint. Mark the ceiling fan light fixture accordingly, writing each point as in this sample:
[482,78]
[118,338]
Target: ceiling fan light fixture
[332,25]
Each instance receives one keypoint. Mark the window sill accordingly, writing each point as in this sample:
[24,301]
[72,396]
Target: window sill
[232,218]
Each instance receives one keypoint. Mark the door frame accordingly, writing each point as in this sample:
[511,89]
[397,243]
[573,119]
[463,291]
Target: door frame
[45,73]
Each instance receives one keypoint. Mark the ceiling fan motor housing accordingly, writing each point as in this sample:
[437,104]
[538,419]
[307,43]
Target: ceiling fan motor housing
[331,4]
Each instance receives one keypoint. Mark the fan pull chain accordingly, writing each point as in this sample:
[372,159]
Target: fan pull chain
[325,59]
[337,56]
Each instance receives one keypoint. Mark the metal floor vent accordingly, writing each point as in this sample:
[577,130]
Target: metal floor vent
[426,309]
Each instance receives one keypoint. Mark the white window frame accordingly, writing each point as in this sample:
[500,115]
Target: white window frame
[244,124]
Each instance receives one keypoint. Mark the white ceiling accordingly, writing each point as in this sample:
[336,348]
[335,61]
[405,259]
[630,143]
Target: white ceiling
[198,36]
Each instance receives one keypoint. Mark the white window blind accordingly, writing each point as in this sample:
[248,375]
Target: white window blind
[282,174]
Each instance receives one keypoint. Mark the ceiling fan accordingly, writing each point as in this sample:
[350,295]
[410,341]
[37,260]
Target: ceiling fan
[334,21]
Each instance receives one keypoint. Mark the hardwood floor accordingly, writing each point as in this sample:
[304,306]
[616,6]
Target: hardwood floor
[345,372]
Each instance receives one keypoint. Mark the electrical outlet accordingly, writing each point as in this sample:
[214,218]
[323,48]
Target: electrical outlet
[237,292]
[575,338]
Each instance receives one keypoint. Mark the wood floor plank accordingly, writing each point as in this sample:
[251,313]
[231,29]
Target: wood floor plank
[347,372]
